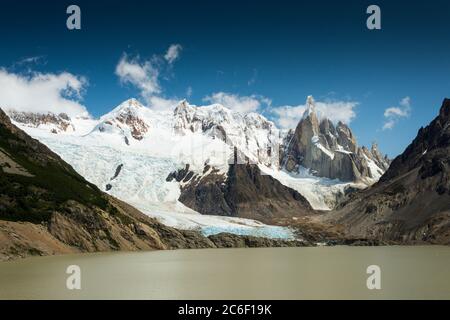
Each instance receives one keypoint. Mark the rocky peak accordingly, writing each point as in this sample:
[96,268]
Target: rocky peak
[185,116]
[327,127]
[56,123]
[5,120]
[382,161]
[258,122]
[330,151]
[429,151]
[131,104]
[182,107]
[128,119]
[130,107]
[252,134]
[345,137]
[309,120]
[444,112]
[183,104]
[374,148]
[310,107]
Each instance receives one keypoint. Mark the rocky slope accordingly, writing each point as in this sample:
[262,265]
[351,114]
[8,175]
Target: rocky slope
[47,208]
[411,202]
[55,123]
[331,151]
[243,192]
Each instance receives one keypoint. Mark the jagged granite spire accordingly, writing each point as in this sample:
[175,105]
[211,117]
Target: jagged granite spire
[310,107]
[330,151]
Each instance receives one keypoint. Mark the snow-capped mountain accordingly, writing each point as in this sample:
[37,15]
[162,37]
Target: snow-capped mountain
[331,151]
[252,134]
[136,154]
[127,120]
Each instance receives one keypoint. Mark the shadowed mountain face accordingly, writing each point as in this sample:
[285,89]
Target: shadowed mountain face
[243,192]
[44,182]
[411,202]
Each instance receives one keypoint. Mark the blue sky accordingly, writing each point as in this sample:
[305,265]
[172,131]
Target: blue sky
[277,51]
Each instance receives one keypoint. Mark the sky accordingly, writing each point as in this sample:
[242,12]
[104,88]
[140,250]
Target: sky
[263,56]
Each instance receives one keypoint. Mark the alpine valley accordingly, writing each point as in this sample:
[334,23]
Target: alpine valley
[206,176]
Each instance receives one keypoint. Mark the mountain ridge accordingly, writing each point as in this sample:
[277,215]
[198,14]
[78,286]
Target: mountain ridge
[411,201]
[331,151]
[408,205]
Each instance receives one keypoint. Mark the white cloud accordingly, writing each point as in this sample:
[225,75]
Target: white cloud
[39,92]
[394,114]
[142,75]
[243,104]
[145,76]
[406,102]
[173,53]
[289,116]
[389,124]
[160,103]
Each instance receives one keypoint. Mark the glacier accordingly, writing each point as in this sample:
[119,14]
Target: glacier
[142,183]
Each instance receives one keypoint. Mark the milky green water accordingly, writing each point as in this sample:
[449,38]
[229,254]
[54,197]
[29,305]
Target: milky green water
[273,273]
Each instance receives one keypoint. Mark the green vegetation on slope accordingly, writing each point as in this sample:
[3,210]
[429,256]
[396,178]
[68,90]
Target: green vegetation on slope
[53,183]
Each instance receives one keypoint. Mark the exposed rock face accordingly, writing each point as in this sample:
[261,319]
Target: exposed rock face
[128,119]
[226,240]
[56,122]
[242,192]
[331,151]
[411,202]
[108,186]
[382,161]
[137,126]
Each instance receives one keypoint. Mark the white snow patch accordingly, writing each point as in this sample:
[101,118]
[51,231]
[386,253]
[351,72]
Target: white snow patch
[342,150]
[321,193]
[316,141]
[375,170]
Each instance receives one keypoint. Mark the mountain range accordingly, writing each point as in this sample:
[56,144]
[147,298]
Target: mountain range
[47,208]
[211,170]
[134,152]
[332,151]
